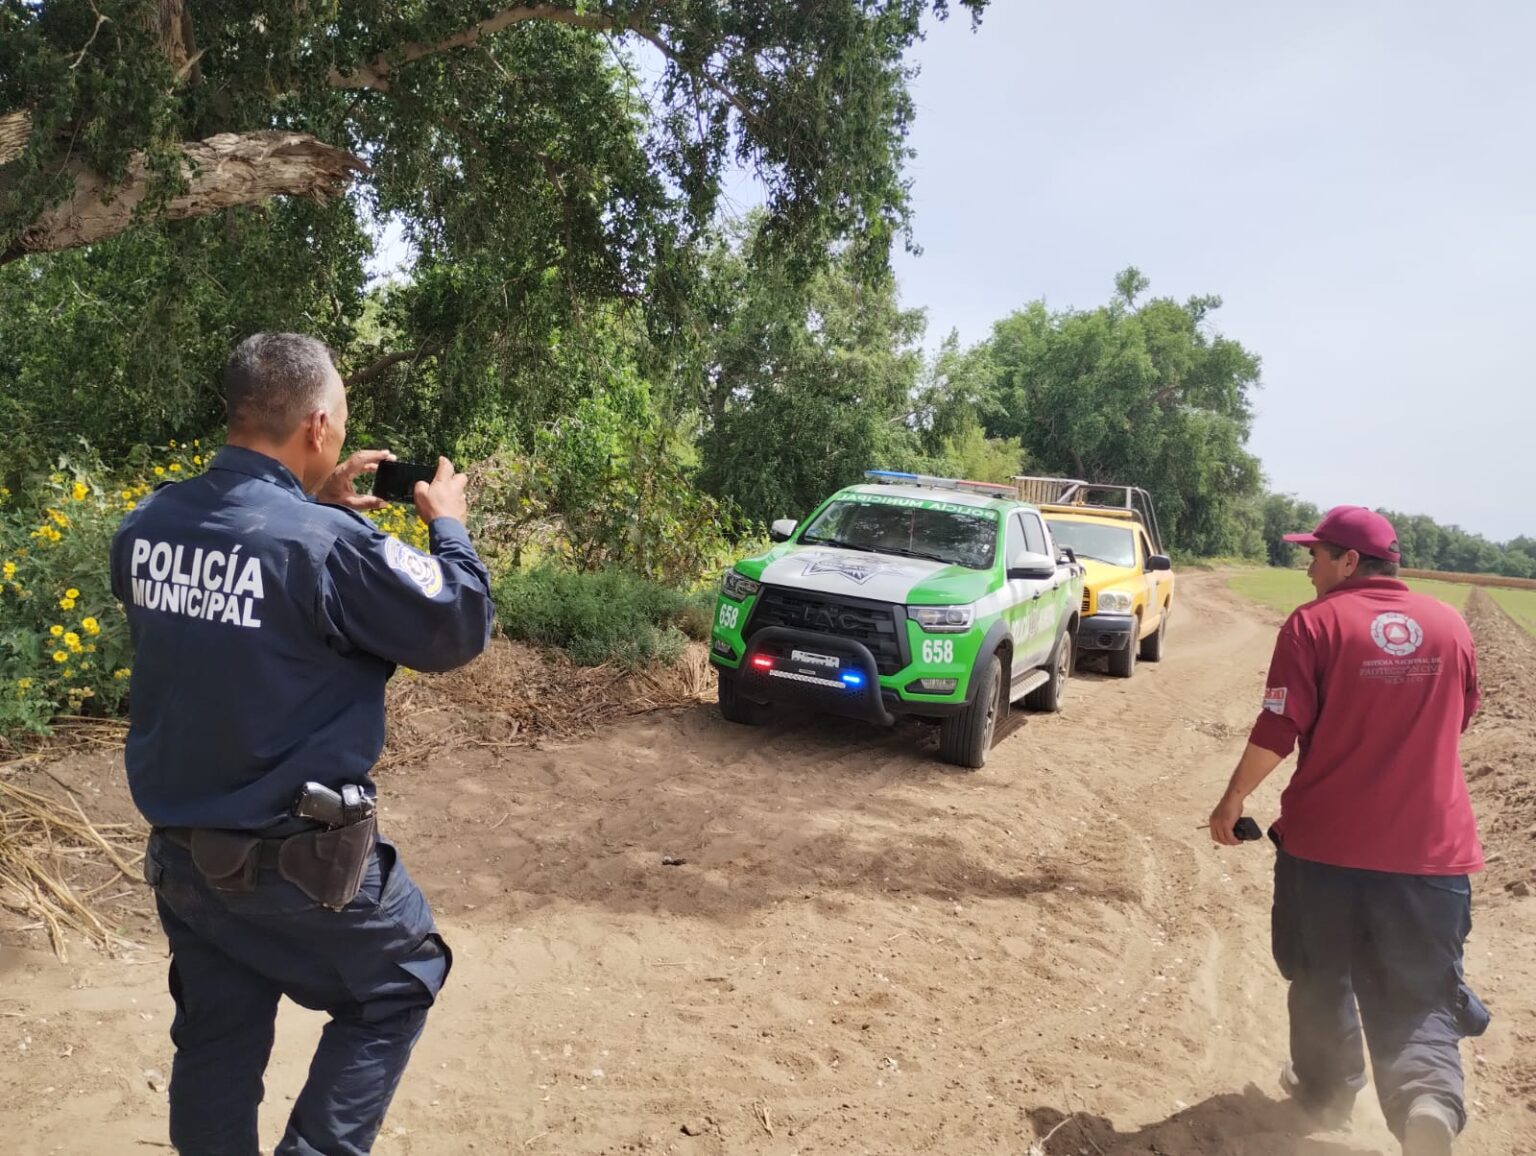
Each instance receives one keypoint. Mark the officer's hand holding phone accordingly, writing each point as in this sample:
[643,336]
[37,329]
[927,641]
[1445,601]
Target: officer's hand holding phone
[443,496]
[340,488]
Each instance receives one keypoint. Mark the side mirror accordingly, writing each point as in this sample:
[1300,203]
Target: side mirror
[1159,562]
[1067,556]
[782,530]
[1029,567]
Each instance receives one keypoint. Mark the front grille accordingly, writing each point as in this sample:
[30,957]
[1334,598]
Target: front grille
[878,625]
[1087,600]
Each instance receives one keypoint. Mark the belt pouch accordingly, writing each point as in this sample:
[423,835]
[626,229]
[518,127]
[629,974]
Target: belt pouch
[226,859]
[328,866]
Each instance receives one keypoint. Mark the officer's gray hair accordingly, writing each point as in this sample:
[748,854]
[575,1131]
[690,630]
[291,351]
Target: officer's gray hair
[274,381]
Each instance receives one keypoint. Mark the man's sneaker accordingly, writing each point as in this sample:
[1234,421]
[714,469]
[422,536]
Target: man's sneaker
[1327,1115]
[1430,1129]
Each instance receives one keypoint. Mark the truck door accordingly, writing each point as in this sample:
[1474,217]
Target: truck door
[1047,597]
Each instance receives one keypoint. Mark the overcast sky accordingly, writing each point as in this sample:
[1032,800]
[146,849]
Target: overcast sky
[1356,179]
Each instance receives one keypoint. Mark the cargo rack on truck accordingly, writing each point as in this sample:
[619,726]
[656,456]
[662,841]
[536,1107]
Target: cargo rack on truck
[928,481]
[1068,495]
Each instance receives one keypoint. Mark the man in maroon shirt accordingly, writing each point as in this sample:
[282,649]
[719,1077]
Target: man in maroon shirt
[1376,836]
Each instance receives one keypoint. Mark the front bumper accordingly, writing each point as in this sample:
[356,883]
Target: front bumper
[1106,632]
[770,671]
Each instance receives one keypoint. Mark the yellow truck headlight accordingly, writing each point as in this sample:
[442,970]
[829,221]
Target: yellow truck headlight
[1115,602]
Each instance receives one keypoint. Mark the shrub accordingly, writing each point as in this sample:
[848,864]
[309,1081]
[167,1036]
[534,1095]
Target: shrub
[601,616]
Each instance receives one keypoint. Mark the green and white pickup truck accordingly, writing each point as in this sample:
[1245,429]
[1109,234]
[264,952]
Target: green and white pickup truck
[911,595]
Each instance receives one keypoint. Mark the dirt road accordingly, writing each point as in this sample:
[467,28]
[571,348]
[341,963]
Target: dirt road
[864,951]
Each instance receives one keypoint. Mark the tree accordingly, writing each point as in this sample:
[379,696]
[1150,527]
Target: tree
[1141,394]
[804,387]
[112,111]
[177,173]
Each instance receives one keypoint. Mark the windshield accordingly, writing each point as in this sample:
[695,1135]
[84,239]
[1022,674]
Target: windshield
[950,536]
[1103,543]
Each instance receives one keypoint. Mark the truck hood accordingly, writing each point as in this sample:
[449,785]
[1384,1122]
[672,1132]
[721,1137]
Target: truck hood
[1099,575]
[879,577]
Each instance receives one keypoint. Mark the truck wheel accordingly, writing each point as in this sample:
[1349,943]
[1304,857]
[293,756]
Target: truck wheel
[734,708]
[1048,697]
[1122,663]
[1152,644]
[965,738]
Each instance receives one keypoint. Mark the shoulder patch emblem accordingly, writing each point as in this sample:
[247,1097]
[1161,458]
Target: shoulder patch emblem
[425,571]
[1274,699]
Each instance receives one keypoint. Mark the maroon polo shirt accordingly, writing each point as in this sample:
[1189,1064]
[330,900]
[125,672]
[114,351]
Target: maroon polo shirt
[1377,684]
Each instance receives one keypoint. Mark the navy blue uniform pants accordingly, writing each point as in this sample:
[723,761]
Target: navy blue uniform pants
[1378,955]
[375,967]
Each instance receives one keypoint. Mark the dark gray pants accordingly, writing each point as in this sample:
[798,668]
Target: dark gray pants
[1382,952]
[376,966]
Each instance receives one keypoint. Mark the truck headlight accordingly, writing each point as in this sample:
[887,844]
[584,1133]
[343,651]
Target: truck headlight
[943,619]
[1116,602]
[739,586]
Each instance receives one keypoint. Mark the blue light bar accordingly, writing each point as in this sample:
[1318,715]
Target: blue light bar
[852,678]
[891,474]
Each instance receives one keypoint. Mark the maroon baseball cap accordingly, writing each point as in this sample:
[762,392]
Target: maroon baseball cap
[1355,528]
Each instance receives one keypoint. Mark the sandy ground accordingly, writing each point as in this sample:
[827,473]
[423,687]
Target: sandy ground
[864,951]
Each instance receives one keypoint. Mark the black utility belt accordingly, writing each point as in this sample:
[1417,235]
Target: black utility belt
[327,865]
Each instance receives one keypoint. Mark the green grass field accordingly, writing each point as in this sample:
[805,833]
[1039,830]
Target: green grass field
[1519,604]
[1284,590]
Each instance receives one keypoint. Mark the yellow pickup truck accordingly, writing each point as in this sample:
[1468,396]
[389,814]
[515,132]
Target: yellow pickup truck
[1128,588]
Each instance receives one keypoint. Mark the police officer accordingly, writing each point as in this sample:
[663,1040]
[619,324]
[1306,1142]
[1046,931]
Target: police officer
[267,615]
[1376,836]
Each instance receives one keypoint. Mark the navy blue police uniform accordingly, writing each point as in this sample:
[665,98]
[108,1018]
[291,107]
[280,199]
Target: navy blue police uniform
[265,627]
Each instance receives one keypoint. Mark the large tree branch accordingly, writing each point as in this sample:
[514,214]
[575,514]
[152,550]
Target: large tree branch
[15,128]
[221,172]
[384,364]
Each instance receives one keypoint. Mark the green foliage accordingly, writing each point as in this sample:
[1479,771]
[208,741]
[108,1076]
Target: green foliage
[600,616]
[607,485]
[1286,589]
[122,343]
[803,387]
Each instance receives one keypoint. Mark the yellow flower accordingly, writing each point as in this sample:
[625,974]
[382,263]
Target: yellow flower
[90,626]
[173,443]
[175,467]
[56,630]
[71,593]
[60,656]
[85,665]
[90,648]
[24,683]
[9,570]
[68,673]
[159,471]
[59,517]
[197,459]
[121,672]
[197,442]
[79,491]
[66,603]
[127,495]
[71,640]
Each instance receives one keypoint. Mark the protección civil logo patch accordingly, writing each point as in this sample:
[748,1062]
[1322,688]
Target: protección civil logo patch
[1397,634]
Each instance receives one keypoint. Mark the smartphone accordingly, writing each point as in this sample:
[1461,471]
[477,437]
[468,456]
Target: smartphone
[396,481]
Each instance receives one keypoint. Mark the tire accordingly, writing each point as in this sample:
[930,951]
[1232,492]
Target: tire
[1152,644]
[734,708]
[1122,663]
[965,738]
[1048,697]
